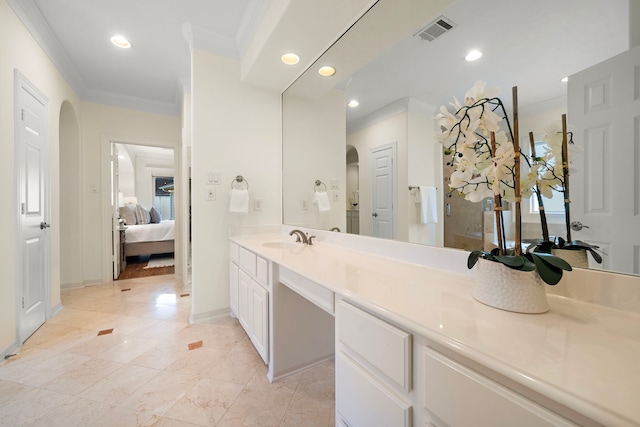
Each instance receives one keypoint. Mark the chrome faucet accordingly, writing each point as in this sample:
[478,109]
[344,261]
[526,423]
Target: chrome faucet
[335,229]
[300,236]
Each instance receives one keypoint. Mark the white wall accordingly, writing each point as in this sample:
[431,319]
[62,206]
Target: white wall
[19,50]
[424,167]
[235,131]
[391,129]
[101,124]
[315,131]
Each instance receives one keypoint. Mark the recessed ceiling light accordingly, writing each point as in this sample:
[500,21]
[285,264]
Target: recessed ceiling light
[290,58]
[473,55]
[353,103]
[327,71]
[564,79]
[120,41]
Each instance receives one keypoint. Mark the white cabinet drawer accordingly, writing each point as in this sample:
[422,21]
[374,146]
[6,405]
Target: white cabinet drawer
[233,252]
[384,346]
[450,386]
[317,294]
[247,261]
[262,271]
[361,401]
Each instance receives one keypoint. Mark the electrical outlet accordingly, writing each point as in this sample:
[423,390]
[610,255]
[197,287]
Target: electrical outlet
[303,205]
[211,194]
[336,196]
[257,204]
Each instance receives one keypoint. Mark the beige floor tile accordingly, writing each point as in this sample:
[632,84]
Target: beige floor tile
[126,417]
[30,405]
[78,378]
[143,374]
[160,393]
[160,356]
[197,362]
[238,367]
[128,350]
[206,403]
[120,384]
[73,412]
[308,412]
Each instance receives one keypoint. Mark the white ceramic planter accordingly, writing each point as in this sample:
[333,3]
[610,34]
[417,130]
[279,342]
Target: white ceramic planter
[575,257]
[508,289]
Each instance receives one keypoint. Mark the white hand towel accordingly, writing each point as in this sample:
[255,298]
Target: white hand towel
[428,205]
[322,200]
[239,201]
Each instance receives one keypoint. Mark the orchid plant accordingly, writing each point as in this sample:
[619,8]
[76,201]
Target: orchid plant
[485,154]
[553,176]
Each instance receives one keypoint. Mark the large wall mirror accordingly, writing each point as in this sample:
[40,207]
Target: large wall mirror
[379,163]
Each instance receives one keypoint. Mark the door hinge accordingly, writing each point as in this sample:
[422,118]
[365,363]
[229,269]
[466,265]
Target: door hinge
[22,208]
[22,114]
[23,302]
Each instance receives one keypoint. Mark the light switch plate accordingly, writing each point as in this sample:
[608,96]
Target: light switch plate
[303,205]
[335,184]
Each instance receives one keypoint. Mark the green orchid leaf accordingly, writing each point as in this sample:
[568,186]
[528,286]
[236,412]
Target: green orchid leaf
[473,259]
[596,256]
[550,274]
[544,247]
[555,261]
[511,261]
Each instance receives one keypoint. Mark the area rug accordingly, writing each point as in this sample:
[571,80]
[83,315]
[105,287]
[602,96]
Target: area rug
[162,261]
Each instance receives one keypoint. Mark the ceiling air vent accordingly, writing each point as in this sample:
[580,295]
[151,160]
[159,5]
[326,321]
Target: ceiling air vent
[435,29]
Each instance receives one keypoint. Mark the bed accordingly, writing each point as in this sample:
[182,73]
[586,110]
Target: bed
[145,233]
[149,239]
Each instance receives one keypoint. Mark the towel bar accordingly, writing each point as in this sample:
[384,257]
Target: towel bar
[239,179]
[318,184]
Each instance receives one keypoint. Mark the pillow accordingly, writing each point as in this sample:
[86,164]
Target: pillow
[128,215]
[156,217]
[142,215]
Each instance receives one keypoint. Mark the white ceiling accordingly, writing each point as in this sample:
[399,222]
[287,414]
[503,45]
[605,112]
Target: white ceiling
[529,44]
[569,35]
[148,76]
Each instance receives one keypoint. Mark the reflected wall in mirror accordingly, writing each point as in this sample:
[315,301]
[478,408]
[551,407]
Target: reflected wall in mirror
[400,79]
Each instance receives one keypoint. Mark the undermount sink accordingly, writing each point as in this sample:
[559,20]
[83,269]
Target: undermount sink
[282,245]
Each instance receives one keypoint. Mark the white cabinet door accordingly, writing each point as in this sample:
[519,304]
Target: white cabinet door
[260,319]
[362,401]
[244,301]
[233,288]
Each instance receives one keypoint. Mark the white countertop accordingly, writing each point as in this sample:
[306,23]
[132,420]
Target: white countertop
[584,356]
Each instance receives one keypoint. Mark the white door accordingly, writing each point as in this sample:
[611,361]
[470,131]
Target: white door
[115,203]
[33,181]
[604,108]
[383,191]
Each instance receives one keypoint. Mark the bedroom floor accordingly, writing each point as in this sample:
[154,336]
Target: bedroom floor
[136,268]
[143,372]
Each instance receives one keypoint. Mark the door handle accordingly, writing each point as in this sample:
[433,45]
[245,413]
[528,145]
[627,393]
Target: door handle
[374,214]
[577,226]
[44,225]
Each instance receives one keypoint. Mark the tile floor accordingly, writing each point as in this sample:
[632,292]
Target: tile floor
[143,373]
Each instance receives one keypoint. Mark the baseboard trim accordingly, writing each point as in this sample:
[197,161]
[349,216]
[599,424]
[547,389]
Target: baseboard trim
[209,315]
[56,310]
[272,377]
[12,349]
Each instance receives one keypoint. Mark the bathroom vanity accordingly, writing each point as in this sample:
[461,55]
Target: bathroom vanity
[413,348]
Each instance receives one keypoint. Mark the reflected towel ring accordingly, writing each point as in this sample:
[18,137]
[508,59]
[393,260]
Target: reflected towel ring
[318,184]
[239,179]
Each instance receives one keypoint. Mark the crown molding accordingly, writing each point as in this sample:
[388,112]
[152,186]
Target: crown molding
[384,113]
[31,16]
[203,39]
[131,102]
[253,14]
